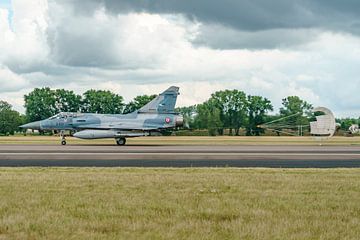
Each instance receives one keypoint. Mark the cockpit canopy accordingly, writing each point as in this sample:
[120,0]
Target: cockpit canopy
[66,115]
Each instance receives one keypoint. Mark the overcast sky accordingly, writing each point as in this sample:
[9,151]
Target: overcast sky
[309,48]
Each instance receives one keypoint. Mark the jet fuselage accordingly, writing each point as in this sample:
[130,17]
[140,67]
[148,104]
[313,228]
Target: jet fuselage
[155,116]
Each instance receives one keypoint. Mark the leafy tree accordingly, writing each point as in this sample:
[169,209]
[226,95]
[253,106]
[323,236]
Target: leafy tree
[138,102]
[67,101]
[233,108]
[5,106]
[43,103]
[100,101]
[10,120]
[214,121]
[208,117]
[200,120]
[257,110]
[40,104]
[293,105]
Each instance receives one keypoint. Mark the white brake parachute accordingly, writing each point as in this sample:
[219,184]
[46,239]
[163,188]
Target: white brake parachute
[325,125]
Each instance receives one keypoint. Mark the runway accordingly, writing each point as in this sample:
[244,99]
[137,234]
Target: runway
[180,156]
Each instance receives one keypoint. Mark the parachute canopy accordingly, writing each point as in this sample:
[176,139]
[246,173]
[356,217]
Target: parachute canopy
[325,125]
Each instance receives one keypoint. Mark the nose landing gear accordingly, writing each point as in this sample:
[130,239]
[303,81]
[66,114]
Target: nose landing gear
[63,139]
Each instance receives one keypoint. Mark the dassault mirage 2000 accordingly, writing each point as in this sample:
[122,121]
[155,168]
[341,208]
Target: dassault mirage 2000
[154,117]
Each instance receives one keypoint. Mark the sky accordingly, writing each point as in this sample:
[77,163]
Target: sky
[279,48]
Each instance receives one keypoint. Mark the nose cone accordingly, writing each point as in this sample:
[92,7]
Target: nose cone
[32,125]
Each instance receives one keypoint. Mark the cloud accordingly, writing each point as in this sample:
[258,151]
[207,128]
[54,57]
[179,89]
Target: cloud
[246,15]
[101,40]
[220,37]
[24,44]
[143,47]
[243,23]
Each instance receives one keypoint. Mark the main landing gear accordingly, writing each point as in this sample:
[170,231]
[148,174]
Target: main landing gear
[63,139]
[120,141]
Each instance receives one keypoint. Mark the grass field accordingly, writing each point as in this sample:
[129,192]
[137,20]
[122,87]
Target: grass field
[195,140]
[115,203]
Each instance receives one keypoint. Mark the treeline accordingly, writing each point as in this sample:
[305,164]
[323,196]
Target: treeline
[43,103]
[10,120]
[231,112]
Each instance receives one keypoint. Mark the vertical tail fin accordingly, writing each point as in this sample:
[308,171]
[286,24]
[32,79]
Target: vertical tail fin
[164,103]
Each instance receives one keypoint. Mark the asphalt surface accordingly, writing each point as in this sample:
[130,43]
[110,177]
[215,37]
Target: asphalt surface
[180,156]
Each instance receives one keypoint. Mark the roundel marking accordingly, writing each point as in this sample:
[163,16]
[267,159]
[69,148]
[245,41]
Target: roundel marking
[167,120]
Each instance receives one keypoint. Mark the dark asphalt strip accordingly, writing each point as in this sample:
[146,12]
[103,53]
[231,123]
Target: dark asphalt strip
[184,163]
[184,151]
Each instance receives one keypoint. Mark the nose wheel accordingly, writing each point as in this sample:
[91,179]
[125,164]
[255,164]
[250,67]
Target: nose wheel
[120,141]
[63,139]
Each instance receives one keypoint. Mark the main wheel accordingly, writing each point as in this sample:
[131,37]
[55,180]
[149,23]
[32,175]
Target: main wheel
[63,142]
[121,141]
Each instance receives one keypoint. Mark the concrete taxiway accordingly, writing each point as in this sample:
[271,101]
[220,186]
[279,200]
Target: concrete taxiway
[180,156]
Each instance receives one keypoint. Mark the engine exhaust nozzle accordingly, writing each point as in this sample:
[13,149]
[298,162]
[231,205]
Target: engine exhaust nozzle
[179,121]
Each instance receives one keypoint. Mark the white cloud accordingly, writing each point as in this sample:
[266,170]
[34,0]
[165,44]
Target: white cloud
[24,44]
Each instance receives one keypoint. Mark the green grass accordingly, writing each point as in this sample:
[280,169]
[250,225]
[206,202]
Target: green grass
[118,203]
[188,140]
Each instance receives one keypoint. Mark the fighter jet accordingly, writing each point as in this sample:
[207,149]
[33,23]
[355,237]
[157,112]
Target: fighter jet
[151,119]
